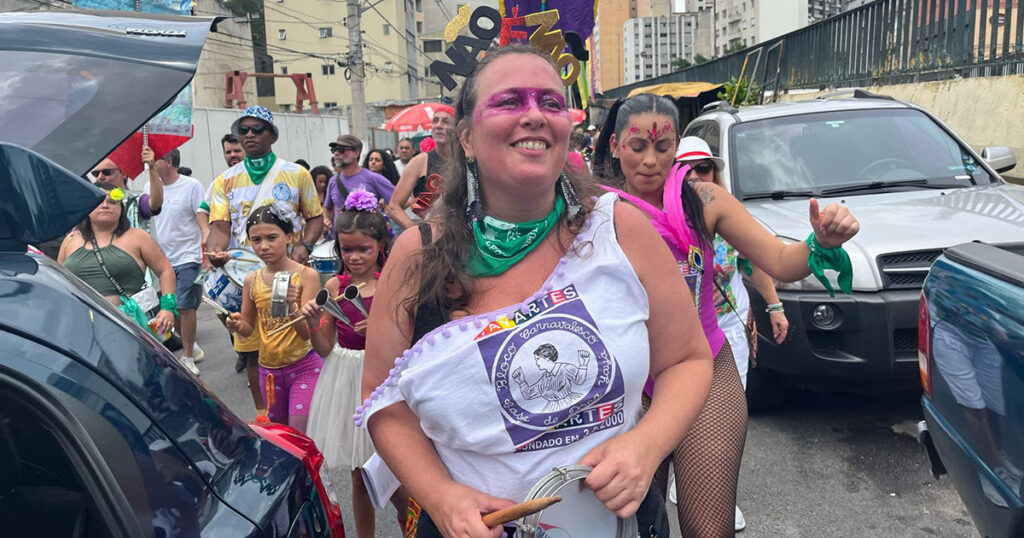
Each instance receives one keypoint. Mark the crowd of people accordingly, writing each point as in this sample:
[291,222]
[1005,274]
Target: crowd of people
[441,323]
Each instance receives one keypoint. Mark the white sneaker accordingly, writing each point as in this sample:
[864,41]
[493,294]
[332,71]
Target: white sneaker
[741,522]
[190,364]
[197,352]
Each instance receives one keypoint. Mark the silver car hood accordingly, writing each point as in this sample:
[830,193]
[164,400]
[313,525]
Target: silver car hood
[908,221]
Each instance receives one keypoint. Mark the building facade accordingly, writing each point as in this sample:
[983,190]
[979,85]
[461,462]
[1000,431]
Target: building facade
[652,44]
[311,36]
[728,25]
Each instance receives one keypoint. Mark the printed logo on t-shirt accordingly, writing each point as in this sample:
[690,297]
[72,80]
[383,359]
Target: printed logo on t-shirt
[282,193]
[555,380]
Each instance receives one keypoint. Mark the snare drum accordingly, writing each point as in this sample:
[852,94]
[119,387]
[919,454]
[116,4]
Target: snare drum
[224,284]
[324,260]
[580,514]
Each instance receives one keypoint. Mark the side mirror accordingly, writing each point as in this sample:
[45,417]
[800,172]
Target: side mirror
[999,158]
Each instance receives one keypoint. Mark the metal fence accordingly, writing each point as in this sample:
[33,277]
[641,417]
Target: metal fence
[884,42]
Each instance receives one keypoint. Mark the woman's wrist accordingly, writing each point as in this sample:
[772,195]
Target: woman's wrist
[775,307]
[169,302]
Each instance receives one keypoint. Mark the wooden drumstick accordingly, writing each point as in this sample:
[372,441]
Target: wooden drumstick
[523,509]
[294,321]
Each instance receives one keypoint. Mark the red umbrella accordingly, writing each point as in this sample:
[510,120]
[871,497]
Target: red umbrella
[128,156]
[577,115]
[416,117]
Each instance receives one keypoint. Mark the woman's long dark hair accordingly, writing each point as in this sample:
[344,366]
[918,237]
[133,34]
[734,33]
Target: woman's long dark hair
[123,224]
[370,223]
[608,170]
[389,171]
[442,276]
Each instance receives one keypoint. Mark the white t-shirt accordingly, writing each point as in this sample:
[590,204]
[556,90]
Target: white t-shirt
[176,228]
[508,395]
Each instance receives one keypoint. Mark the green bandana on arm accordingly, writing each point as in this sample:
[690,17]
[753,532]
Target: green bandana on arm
[500,244]
[837,259]
[259,167]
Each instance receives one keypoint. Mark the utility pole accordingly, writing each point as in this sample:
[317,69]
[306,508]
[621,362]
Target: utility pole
[356,72]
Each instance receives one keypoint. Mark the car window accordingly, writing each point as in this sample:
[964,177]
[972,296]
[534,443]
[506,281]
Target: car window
[695,128]
[815,151]
[162,486]
[712,135]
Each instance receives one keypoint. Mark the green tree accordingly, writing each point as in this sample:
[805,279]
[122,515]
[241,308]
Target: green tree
[745,92]
[698,59]
[735,46]
[680,63]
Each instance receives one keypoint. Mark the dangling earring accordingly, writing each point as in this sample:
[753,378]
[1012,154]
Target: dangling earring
[572,202]
[474,208]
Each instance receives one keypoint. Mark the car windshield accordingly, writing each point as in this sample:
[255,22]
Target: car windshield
[847,149]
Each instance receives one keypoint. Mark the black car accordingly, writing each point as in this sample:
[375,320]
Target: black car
[102,432]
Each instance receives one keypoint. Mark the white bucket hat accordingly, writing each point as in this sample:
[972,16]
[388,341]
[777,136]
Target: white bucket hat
[692,148]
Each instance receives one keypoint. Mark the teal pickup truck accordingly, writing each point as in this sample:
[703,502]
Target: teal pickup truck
[971,358]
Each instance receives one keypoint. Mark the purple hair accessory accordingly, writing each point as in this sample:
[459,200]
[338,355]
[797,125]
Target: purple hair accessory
[361,200]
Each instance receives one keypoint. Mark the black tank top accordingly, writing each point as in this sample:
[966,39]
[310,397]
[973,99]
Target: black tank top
[428,186]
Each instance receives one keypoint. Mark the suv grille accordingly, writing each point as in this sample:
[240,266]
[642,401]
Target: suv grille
[906,270]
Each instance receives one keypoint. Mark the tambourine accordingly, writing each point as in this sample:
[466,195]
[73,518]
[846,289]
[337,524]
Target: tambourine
[279,294]
[579,515]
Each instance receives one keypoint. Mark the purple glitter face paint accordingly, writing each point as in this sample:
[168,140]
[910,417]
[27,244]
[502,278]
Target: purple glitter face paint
[520,100]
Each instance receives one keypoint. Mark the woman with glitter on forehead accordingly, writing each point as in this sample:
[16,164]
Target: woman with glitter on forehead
[637,154]
[516,333]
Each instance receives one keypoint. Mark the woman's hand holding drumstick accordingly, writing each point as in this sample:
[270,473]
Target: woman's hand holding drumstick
[523,509]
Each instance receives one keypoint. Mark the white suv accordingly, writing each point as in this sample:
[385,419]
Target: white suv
[916,188]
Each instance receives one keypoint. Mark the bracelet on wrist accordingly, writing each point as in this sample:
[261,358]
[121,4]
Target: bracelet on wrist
[775,307]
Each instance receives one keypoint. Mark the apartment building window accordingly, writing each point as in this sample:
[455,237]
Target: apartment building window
[419,6]
[286,108]
[327,69]
[419,27]
[432,45]
[331,104]
[387,29]
[282,35]
[326,32]
[284,69]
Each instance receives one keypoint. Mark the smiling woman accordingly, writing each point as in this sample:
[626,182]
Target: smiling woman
[517,284]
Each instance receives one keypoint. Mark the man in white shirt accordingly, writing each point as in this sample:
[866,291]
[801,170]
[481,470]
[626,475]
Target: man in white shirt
[405,153]
[179,235]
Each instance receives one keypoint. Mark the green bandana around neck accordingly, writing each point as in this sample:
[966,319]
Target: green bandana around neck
[259,167]
[500,244]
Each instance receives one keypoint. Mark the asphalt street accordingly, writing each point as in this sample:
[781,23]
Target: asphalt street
[824,465]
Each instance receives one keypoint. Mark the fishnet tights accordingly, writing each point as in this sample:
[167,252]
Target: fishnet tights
[707,461]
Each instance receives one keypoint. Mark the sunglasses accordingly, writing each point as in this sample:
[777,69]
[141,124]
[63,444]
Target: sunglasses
[704,168]
[342,149]
[105,172]
[256,129]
